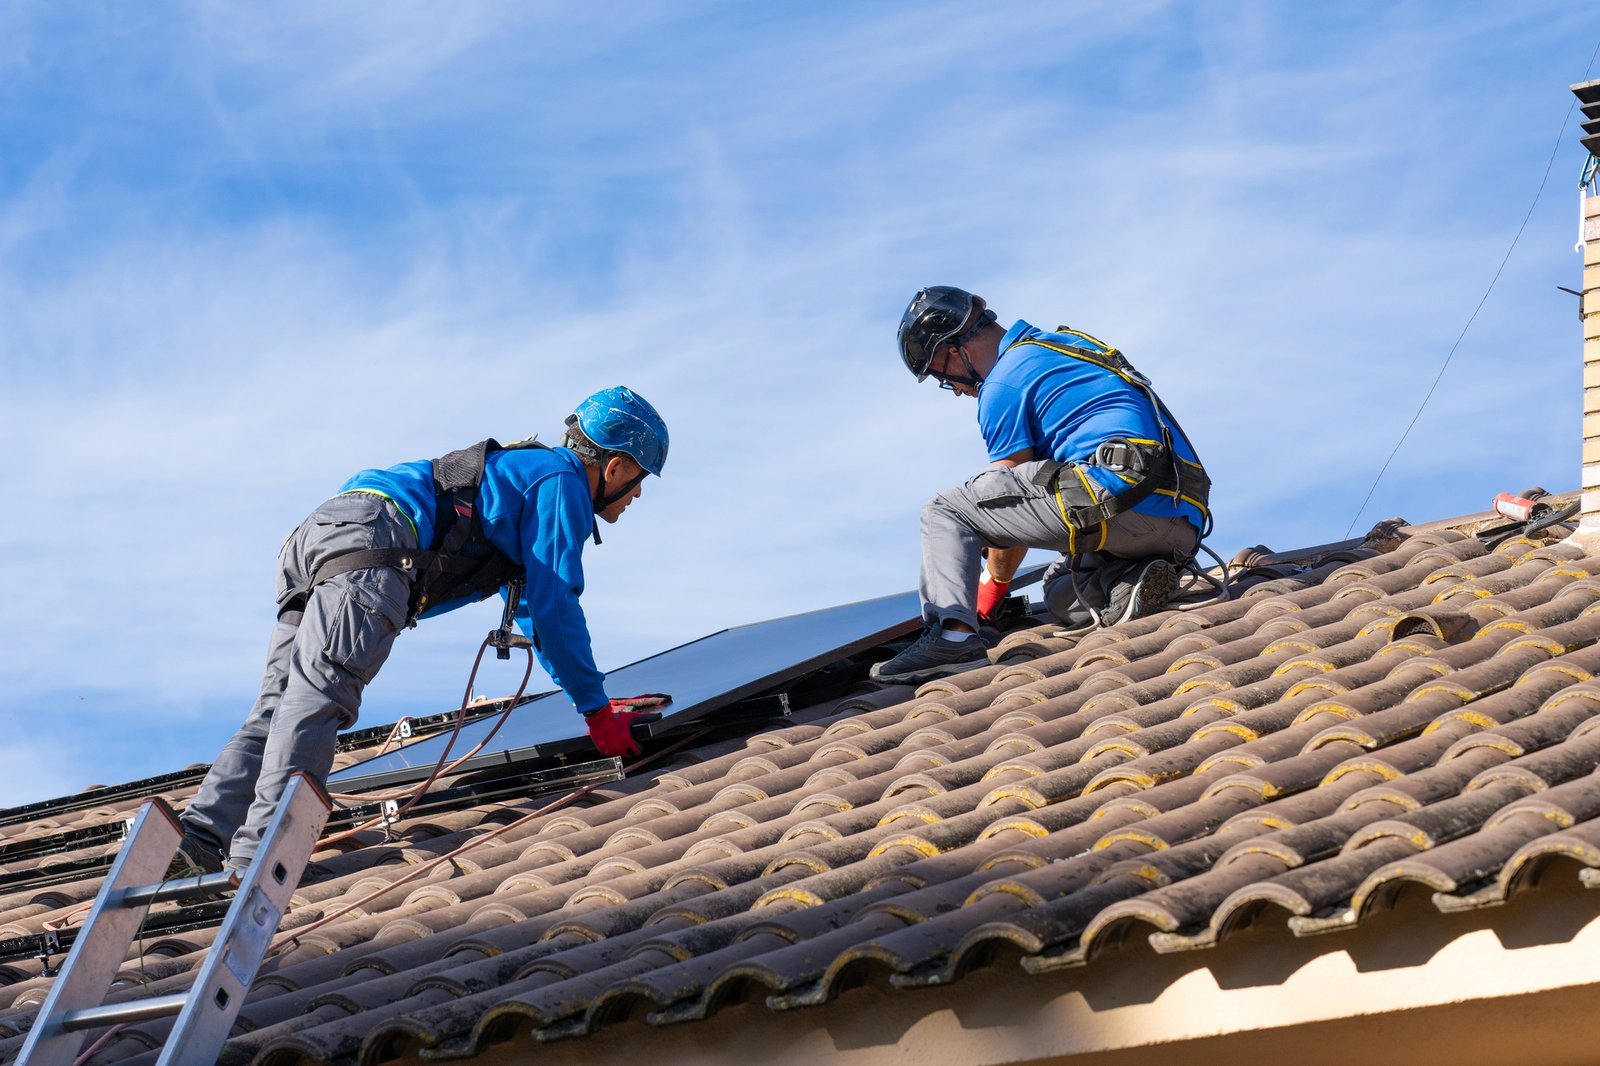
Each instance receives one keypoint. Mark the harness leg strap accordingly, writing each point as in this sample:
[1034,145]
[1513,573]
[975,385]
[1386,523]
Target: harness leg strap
[406,560]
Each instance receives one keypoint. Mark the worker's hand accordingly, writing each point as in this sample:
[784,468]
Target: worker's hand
[611,727]
[990,593]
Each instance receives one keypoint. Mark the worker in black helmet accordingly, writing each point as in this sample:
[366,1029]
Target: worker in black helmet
[1087,461]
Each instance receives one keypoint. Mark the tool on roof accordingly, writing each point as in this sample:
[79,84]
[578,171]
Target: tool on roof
[1529,514]
[1522,508]
[207,1010]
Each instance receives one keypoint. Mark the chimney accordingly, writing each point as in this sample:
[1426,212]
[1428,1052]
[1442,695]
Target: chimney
[1588,94]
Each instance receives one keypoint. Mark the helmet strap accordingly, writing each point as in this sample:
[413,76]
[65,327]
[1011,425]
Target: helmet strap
[973,379]
[602,502]
[977,378]
[601,499]
[984,318]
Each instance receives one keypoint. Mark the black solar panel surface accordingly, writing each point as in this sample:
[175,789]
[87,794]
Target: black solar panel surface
[701,676]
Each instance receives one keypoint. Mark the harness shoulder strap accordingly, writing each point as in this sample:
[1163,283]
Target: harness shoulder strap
[457,476]
[1183,473]
[464,466]
[1110,359]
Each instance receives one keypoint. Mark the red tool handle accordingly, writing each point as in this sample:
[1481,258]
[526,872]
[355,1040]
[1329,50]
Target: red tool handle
[1519,508]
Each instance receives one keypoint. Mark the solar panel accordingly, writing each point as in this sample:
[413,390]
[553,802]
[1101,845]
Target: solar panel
[701,676]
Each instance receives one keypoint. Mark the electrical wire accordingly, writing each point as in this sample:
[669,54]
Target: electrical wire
[1222,588]
[1473,317]
[293,936]
[93,1049]
[411,794]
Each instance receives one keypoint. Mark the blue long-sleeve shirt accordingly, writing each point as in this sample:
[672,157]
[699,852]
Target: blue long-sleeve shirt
[535,507]
[1064,408]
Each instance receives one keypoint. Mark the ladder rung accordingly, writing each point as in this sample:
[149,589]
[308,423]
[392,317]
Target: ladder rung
[204,1015]
[202,884]
[134,1010]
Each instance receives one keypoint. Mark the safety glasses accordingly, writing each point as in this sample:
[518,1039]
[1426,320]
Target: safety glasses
[949,381]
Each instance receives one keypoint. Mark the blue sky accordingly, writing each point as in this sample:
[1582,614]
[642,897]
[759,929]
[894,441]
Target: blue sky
[247,250]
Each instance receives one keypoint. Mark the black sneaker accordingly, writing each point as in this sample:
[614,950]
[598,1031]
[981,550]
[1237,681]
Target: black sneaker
[1143,591]
[194,858]
[931,656]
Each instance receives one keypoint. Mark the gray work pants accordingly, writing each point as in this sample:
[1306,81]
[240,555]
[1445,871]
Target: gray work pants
[317,665]
[1003,507]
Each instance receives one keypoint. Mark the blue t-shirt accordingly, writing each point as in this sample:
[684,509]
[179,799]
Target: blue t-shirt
[535,507]
[1064,408]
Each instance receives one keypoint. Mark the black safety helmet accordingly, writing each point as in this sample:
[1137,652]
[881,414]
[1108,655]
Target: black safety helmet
[933,320]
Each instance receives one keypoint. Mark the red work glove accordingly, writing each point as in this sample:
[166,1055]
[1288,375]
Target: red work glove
[611,727]
[990,593]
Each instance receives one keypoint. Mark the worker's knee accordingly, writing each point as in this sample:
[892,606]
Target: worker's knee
[960,505]
[940,513]
[1059,591]
[1069,595]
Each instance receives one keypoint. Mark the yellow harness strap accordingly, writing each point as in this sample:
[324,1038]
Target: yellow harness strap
[1061,505]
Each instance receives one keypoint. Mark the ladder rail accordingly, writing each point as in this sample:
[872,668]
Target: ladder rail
[206,1012]
[94,959]
[241,945]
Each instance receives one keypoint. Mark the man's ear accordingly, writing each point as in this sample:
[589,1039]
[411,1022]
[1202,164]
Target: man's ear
[619,468]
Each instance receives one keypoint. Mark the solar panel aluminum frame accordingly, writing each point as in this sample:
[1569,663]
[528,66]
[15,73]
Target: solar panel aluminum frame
[347,780]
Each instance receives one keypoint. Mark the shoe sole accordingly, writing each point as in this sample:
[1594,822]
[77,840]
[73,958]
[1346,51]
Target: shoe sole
[1154,590]
[918,676]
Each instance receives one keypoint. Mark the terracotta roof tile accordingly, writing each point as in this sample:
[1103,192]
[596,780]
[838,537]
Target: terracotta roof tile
[1299,757]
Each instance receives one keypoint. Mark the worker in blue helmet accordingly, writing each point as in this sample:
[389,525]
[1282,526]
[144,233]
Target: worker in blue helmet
[1086,461]
[412,541]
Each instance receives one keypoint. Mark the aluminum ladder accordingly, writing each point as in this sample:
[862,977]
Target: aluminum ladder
[207,1010]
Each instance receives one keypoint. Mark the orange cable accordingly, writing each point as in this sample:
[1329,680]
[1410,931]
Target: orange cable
[105,1038]
[413,793]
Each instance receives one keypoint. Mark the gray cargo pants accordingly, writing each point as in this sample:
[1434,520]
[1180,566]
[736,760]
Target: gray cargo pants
[317,665]
[1003,507]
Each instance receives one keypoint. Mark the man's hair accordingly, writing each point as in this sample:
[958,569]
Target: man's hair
[587,450]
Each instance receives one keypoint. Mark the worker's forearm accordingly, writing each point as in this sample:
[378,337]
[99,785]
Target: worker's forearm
[1003,562]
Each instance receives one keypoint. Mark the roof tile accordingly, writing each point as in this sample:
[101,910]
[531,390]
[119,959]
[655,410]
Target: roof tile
[1346,732]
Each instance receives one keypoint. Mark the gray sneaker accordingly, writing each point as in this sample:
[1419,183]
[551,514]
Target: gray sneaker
[933,656]
[1145,590]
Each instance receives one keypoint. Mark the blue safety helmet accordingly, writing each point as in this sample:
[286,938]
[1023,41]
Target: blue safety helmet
[620,420]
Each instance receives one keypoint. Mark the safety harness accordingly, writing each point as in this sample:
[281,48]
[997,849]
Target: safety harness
[460,562]
[1148,466]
